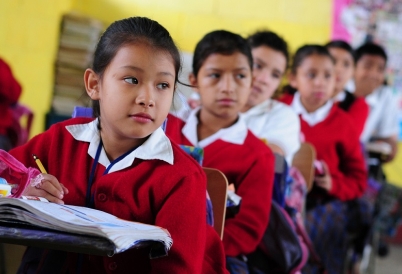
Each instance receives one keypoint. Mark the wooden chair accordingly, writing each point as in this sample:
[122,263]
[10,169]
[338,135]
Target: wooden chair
[303,160]
[217,185]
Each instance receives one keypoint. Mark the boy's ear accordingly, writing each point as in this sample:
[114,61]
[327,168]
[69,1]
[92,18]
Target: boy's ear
[193,81]
[92,81]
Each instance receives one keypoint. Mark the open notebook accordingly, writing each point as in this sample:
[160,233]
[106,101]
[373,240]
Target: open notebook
[76,229]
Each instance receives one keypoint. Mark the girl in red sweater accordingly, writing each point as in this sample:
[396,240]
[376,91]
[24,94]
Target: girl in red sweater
[356,107]
[221,74]
[330,130]
[122,163]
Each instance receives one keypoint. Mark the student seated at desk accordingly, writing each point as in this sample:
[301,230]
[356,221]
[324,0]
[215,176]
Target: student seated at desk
[382,123]
[221,74]
[356,107]
[122,163]
[343,176]
[267,118]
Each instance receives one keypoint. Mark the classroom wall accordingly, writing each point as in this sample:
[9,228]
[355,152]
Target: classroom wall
[299,21]
[29,32]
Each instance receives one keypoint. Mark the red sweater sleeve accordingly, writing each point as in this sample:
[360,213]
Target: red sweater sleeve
[185,220]
[351,181]
[243,233]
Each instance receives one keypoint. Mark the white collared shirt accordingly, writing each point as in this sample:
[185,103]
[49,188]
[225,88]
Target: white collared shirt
[311,118]
[157,146]
[235,134]
[382,121]
[277,123]
[340,96]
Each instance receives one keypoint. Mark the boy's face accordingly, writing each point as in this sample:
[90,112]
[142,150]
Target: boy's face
[223,83]
[369,73]
[269,67]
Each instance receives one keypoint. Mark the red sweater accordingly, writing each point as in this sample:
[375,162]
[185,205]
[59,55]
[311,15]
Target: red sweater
[10,91]
[250,167]
[358,110]
[337,143]
[150,191]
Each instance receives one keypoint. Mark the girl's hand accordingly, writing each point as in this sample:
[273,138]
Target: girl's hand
[324,181]
[48,188]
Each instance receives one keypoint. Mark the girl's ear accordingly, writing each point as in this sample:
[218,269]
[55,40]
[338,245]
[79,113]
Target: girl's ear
[292,80]
[193,81]
[92,81]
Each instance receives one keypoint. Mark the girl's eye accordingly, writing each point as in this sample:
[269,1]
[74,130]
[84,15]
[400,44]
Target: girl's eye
[328,76]
[276,76]
[131,80]
[257,66]
[214,75]
[311,75]
[240,76]
[163,86]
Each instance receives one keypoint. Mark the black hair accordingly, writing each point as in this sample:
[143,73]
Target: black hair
[340,44]
[269,39]
[370,49]
[130,31]
[221,42]
[306,51]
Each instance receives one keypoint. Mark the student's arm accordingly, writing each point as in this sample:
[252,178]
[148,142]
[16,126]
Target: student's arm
[393,142]
[183,214]
[243,232]
[49,187]
[283,132]
[351,181]
[10,89]
[388,125]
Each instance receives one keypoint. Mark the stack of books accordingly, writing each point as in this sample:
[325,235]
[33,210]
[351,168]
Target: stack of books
[78,38]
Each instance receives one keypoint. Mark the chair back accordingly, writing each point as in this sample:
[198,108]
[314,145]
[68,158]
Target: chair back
[303,160]
[217,185]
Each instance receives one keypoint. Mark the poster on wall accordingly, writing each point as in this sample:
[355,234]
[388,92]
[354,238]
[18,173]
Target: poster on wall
[379,21]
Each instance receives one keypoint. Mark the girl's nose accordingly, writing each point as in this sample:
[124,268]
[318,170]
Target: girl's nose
[145,97]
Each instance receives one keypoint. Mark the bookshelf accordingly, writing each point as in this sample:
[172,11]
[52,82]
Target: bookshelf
[78,37]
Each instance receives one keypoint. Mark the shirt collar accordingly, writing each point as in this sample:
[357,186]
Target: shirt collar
[340,96]
[235,134]
[373,97]
[157,146]
[311,118]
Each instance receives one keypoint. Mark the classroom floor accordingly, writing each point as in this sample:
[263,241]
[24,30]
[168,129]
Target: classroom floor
[392,264]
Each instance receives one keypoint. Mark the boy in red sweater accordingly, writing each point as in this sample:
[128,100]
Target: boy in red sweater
[123,163]
[221,74]
[336,141]
[10,91]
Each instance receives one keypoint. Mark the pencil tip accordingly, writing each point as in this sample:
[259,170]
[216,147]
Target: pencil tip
[34,156]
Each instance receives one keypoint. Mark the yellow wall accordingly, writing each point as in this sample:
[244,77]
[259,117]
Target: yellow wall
[299,21]
[29,32]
